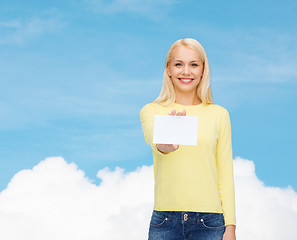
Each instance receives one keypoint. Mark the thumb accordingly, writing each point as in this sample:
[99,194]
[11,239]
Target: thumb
[175,146]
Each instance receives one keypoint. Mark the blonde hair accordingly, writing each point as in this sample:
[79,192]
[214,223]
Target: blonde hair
[167,94]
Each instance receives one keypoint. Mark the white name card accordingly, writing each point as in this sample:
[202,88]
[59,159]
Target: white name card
[182,130]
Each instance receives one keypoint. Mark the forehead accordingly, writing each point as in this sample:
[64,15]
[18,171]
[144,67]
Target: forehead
[184,53]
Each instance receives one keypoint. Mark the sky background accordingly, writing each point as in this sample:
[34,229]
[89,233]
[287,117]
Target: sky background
[75,74]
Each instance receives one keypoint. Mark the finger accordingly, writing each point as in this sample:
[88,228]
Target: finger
[178,114]
[184,112]
[175,146]
[172,112]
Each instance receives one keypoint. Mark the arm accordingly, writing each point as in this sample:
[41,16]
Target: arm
[147,115]
[224,161]
[167,148]
[229,233]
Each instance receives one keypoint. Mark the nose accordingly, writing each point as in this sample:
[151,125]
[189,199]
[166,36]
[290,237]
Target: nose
[186,70]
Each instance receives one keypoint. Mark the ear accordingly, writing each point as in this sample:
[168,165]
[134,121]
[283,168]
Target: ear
[202,72]
[168,70]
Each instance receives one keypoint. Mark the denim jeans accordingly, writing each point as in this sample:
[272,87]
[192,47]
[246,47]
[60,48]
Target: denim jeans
[174,225]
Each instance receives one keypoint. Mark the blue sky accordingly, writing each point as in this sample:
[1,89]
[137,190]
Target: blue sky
[75,74]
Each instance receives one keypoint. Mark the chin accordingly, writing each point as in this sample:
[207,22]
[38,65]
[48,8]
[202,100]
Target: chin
[186,88]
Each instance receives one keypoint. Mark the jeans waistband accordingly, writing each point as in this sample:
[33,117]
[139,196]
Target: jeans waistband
[182,214]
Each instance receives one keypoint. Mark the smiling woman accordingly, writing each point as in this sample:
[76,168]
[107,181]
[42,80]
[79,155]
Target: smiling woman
[185,70]
[194,186]
[186,60]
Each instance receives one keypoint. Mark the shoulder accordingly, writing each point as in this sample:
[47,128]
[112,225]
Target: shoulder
[148,110]
[218,112]
[148,106]
[217,109]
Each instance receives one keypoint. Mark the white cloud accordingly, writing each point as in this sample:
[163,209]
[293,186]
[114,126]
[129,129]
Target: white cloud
[153,9]
[263,212]
[55,200]
[19,31]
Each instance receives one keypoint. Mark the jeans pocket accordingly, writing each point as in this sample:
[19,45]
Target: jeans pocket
[212,220]
[157,219]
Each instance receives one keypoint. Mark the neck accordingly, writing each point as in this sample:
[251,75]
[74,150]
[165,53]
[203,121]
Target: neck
[187,99]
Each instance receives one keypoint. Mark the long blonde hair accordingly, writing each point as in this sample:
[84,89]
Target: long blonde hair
[167,95]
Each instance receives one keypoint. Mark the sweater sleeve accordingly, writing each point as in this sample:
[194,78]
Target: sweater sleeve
[147,117]
[224,160]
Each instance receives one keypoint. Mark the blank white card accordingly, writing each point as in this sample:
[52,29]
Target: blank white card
[182,130]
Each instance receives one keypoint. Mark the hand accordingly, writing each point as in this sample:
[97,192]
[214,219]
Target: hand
[229,233]
[167,148]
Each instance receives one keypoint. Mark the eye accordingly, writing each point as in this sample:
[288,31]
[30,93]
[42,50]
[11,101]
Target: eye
[177,64]
[194,65]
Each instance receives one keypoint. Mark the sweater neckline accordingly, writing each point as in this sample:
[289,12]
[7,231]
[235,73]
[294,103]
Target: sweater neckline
[188,106]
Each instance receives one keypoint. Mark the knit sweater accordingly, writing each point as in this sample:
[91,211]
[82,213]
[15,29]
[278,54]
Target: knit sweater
[194,178]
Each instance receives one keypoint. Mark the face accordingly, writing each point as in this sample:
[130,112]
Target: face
[185,69]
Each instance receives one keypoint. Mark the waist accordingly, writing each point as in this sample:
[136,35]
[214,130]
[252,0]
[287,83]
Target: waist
[187,215]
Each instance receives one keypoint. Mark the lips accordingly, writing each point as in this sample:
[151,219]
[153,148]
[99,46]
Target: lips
[186,80]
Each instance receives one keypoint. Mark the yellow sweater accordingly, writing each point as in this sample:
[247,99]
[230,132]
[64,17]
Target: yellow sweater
[194,178]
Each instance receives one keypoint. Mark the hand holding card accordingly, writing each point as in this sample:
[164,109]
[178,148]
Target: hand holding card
[173,129]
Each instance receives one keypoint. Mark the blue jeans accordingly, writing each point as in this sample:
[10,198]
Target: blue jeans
[173,225]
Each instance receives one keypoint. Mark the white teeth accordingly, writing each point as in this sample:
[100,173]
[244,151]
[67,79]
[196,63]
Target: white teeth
[186,79]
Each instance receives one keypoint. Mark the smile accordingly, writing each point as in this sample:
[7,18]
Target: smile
[186,80]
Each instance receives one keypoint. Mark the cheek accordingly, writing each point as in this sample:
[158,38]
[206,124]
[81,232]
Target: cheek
[175,72]
[198,72]
[171,69]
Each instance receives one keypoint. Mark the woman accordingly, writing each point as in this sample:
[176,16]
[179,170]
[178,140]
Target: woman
[194,186]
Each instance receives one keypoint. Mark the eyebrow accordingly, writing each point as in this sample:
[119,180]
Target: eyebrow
[177,60]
